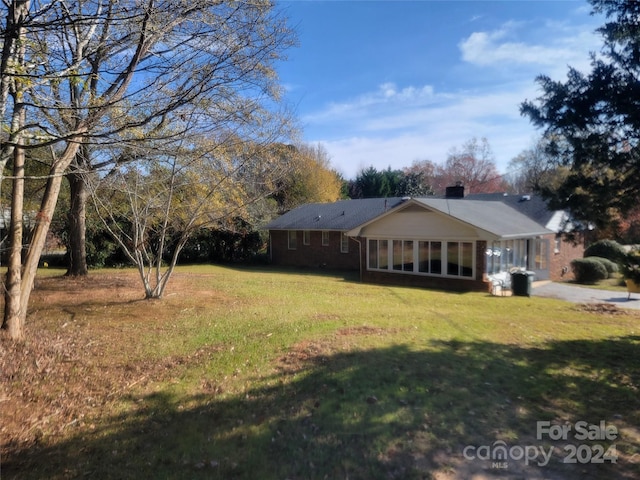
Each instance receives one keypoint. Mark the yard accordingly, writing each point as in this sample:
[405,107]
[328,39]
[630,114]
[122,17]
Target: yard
[245,373]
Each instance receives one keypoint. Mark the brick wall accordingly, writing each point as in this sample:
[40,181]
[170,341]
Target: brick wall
[315,254]
[560,260]
[439,283]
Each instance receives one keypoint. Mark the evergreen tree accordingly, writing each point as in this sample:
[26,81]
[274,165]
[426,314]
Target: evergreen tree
[592,123]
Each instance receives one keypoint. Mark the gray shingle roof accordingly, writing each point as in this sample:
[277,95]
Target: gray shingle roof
[341,215]
[496,218]
[533,206]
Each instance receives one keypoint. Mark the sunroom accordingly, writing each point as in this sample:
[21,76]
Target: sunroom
[451,243]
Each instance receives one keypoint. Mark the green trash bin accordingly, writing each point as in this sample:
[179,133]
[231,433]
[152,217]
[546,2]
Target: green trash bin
[521,283]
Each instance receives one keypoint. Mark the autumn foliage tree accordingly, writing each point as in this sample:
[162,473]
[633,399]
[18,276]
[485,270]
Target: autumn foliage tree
[310,178]
[121,70]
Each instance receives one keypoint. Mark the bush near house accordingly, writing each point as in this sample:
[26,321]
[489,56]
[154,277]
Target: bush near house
[588,270]
[609,249]
[611,266]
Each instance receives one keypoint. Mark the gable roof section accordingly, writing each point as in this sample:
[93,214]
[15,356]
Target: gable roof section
[492,220]
[495,218]
[341,215]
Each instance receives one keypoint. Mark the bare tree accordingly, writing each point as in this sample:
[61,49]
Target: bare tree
[153,206]
[534,169]
[474,166]
[98,72]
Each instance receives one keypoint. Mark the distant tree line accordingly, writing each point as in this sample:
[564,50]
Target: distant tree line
[472,165]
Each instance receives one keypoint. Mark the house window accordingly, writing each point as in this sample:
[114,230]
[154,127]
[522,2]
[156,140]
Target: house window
[378,255]
[306,237]
[422,257]
[453,257]
[403,255]
[344,243]
[430,257]
[293,239]
[541,254]
[383,254]
[460,259]
[505,255]
[373,255]
[397,254]
[325,238]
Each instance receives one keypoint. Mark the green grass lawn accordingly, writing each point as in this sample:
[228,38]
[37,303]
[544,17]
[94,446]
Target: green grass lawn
[615,284]
[313,375]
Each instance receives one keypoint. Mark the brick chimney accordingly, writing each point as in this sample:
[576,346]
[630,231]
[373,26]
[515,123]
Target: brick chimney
[456,191]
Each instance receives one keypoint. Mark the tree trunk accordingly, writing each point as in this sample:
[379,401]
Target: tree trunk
[14,317]
[20,281]
[14,313]
[77,225]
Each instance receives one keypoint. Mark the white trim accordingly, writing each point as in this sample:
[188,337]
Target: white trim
[344,242]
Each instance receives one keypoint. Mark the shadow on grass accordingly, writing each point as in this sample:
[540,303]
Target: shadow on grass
[391,413]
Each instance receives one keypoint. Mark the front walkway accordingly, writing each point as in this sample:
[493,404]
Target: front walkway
[573,293]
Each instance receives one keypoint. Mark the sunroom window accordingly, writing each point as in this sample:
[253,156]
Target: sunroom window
[426,257]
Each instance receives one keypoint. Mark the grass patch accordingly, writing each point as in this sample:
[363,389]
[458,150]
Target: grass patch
[260,373]
[613,284]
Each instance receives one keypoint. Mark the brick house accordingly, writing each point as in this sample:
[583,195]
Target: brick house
[453,243]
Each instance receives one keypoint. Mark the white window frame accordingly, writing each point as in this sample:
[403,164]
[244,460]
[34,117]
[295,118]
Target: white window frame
[344,243]
[430,248]
[306,237]
[325,238]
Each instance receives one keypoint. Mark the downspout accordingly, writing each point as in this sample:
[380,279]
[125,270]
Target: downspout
[359,256]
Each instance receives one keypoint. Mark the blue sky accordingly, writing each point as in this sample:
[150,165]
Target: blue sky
[385,83]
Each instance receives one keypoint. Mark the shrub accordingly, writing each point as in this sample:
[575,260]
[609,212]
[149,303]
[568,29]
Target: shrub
[611,267]
[608,249]
[588,270]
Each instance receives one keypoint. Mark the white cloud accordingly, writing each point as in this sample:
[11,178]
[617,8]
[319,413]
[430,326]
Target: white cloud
[387,94]
[561,45]
[396,136]
[481,48]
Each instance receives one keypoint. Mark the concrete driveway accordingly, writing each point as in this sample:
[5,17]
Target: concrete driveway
[572,293]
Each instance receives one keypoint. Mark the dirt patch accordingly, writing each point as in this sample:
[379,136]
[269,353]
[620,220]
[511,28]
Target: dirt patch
[365,330]
[80,355]
[602,308]
[302,355]
[312,353]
